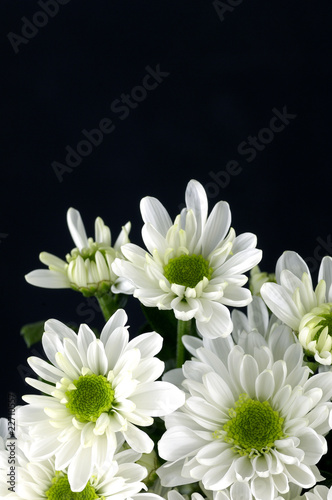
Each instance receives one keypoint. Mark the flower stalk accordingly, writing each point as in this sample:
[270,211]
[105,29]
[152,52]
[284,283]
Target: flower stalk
[183,328]
[109,303]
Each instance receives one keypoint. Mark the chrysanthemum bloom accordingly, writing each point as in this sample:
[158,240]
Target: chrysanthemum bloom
[96,392]
[88,266]
[250,419]
[307,311]
[193,266]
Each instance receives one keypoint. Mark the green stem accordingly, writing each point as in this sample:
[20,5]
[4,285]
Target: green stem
[109,303]
[183,328]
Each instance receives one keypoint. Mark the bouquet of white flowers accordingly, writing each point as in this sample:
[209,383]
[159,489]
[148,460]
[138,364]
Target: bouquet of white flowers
[204,401]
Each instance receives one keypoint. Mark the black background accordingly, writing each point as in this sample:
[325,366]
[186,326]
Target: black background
[227,72]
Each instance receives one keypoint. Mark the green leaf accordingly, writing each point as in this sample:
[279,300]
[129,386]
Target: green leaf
[32,332]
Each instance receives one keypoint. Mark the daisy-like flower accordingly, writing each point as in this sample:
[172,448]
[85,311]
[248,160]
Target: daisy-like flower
[194,265]
[96,392]
[88,266]
[255,420]
[306,310]
[120,479]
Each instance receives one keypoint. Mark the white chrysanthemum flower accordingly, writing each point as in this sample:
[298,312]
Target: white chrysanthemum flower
[194,266]
[250,419]
[96,392]
[307,311]
[120,479]
[89,266]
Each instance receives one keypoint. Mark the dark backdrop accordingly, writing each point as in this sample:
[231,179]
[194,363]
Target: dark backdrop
[222,75]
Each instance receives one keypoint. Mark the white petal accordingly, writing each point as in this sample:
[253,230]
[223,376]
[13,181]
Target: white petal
[60,329]
[116,345]
[258,315]
[80,469]
[47,279]
[169,448]
[158,398]
[183,310]
[218,390]
[313,445]
[281,304]
[52,261]
[236,296]
[76,228]
[248,375]
[123,238]
[325,273]
[153,240]
[241,262]
[102,232]
[155,213]
[240,491]
[119,318]
[244,241]
[264,385]
[262,488]
[196,200]
[220,324]
[45,370]
[97,360]
[216,227]
[85,337]
[301,475]
[244,469]
[292,261]
[148,343]
[138,440]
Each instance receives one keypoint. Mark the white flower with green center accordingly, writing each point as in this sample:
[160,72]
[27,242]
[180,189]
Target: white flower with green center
[254,420]
[40,480]
[96,393]
[88,267]
[194,265]
[306,310]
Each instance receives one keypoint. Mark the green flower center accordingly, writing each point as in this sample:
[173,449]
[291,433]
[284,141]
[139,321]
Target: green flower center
[187,270]
[254,426]
[60,489]
[92,397]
